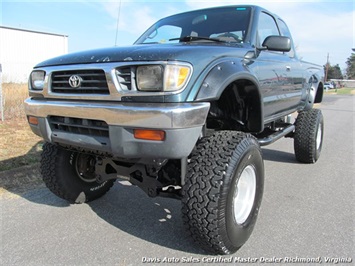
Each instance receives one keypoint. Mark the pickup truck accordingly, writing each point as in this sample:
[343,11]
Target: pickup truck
[182,113]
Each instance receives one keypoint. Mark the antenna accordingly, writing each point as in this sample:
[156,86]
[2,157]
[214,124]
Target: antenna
[118,21]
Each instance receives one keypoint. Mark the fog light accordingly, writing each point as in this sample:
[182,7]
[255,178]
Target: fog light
[148,134]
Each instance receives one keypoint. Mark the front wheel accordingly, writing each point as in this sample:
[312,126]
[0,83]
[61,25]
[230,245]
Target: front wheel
[223,191]
[71,175]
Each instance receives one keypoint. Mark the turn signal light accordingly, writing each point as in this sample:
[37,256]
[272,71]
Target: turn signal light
[148,134]
[33,120]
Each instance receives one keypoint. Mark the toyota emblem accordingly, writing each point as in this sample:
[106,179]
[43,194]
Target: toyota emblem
[75,81]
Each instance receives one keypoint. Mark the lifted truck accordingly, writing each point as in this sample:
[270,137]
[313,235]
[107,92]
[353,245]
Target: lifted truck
[182,113]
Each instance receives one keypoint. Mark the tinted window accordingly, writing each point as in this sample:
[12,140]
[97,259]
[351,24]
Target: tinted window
[283,28]
[285,32]
[267,26]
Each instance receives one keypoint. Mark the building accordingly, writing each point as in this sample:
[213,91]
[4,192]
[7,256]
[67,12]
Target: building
[21,50]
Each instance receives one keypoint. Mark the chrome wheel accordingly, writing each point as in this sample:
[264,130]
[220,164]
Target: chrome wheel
[244,195]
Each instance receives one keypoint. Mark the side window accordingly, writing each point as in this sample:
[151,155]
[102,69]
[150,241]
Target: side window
[285,32]
[267,26]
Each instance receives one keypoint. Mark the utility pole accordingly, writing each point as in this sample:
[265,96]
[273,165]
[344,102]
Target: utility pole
[1,96]
[326,69]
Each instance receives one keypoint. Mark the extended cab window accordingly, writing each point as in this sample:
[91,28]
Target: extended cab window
[266,27]
[286,32]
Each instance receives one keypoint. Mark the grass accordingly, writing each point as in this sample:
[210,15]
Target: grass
[13,97]
[341,91]
[18,145]
[346,91]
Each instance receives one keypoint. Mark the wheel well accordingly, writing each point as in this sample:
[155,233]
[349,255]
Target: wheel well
[319,95]
[238,108]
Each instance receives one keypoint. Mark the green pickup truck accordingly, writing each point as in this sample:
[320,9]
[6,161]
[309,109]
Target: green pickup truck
[181,113]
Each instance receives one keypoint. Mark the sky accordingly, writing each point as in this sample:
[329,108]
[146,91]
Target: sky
[318,27]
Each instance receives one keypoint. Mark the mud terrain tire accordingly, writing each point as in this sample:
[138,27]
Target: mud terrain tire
[70,176]
[308,138]
[224,170]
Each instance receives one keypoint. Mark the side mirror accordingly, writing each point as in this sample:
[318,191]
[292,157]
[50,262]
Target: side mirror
[277,43]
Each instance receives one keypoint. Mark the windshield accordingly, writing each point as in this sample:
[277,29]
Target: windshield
[210,25]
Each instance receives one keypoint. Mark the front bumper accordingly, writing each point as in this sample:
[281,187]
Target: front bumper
[182,123]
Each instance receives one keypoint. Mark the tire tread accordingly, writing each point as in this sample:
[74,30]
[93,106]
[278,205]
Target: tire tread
[304,138]
[202,190]
[52,174]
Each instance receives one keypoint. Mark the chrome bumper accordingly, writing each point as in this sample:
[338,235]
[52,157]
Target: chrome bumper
[182,123]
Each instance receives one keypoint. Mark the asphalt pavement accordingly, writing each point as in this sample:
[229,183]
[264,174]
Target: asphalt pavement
[307,214]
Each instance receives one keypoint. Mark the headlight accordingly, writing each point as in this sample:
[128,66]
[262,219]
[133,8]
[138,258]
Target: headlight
[150,78]
[37,80]
[162,78]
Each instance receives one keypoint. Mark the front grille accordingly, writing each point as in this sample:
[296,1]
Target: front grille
[91,82]
[125,76]
[95,128]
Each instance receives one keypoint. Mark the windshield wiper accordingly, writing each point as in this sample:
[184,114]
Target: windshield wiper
[195,38]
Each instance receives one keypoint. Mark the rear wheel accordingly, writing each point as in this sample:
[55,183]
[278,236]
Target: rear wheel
[223,191]
[308,138]
[71,175]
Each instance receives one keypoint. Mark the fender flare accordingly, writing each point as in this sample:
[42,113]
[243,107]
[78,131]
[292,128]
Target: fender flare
[314,92]
[224,73]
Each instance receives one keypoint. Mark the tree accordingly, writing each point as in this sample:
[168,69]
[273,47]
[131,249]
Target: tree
[350,70]
[334,72]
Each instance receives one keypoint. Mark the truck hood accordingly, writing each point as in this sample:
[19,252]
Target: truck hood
[188,52]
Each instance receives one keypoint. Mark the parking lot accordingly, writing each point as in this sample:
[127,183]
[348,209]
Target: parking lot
[307,213]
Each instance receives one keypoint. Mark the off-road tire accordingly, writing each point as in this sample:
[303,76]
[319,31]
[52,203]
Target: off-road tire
[208,196]
[308,137]
[59,173]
